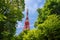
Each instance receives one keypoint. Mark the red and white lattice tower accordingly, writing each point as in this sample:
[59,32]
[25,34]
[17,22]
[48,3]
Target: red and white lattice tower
[26,24]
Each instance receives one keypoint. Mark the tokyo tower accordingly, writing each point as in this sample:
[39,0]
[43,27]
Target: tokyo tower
[26,24]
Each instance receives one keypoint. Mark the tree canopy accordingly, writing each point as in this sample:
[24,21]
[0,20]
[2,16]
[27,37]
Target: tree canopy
[10,12]
[47,25]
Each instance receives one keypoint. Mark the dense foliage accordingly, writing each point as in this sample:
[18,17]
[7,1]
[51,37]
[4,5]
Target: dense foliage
[47,26]
[10,12]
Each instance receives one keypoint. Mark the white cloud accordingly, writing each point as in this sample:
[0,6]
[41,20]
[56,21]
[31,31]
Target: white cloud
[33,5]
[19,25]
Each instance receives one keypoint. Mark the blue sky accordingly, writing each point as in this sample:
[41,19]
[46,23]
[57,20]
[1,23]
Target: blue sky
[32,6]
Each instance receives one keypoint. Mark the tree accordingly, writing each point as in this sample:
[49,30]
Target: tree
[51,27]
[10,12]
[49,20]
[50,7]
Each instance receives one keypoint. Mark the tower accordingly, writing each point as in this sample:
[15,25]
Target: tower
[26,24]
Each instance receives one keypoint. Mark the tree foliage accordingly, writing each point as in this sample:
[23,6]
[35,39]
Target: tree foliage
[10,12]
[50,7]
